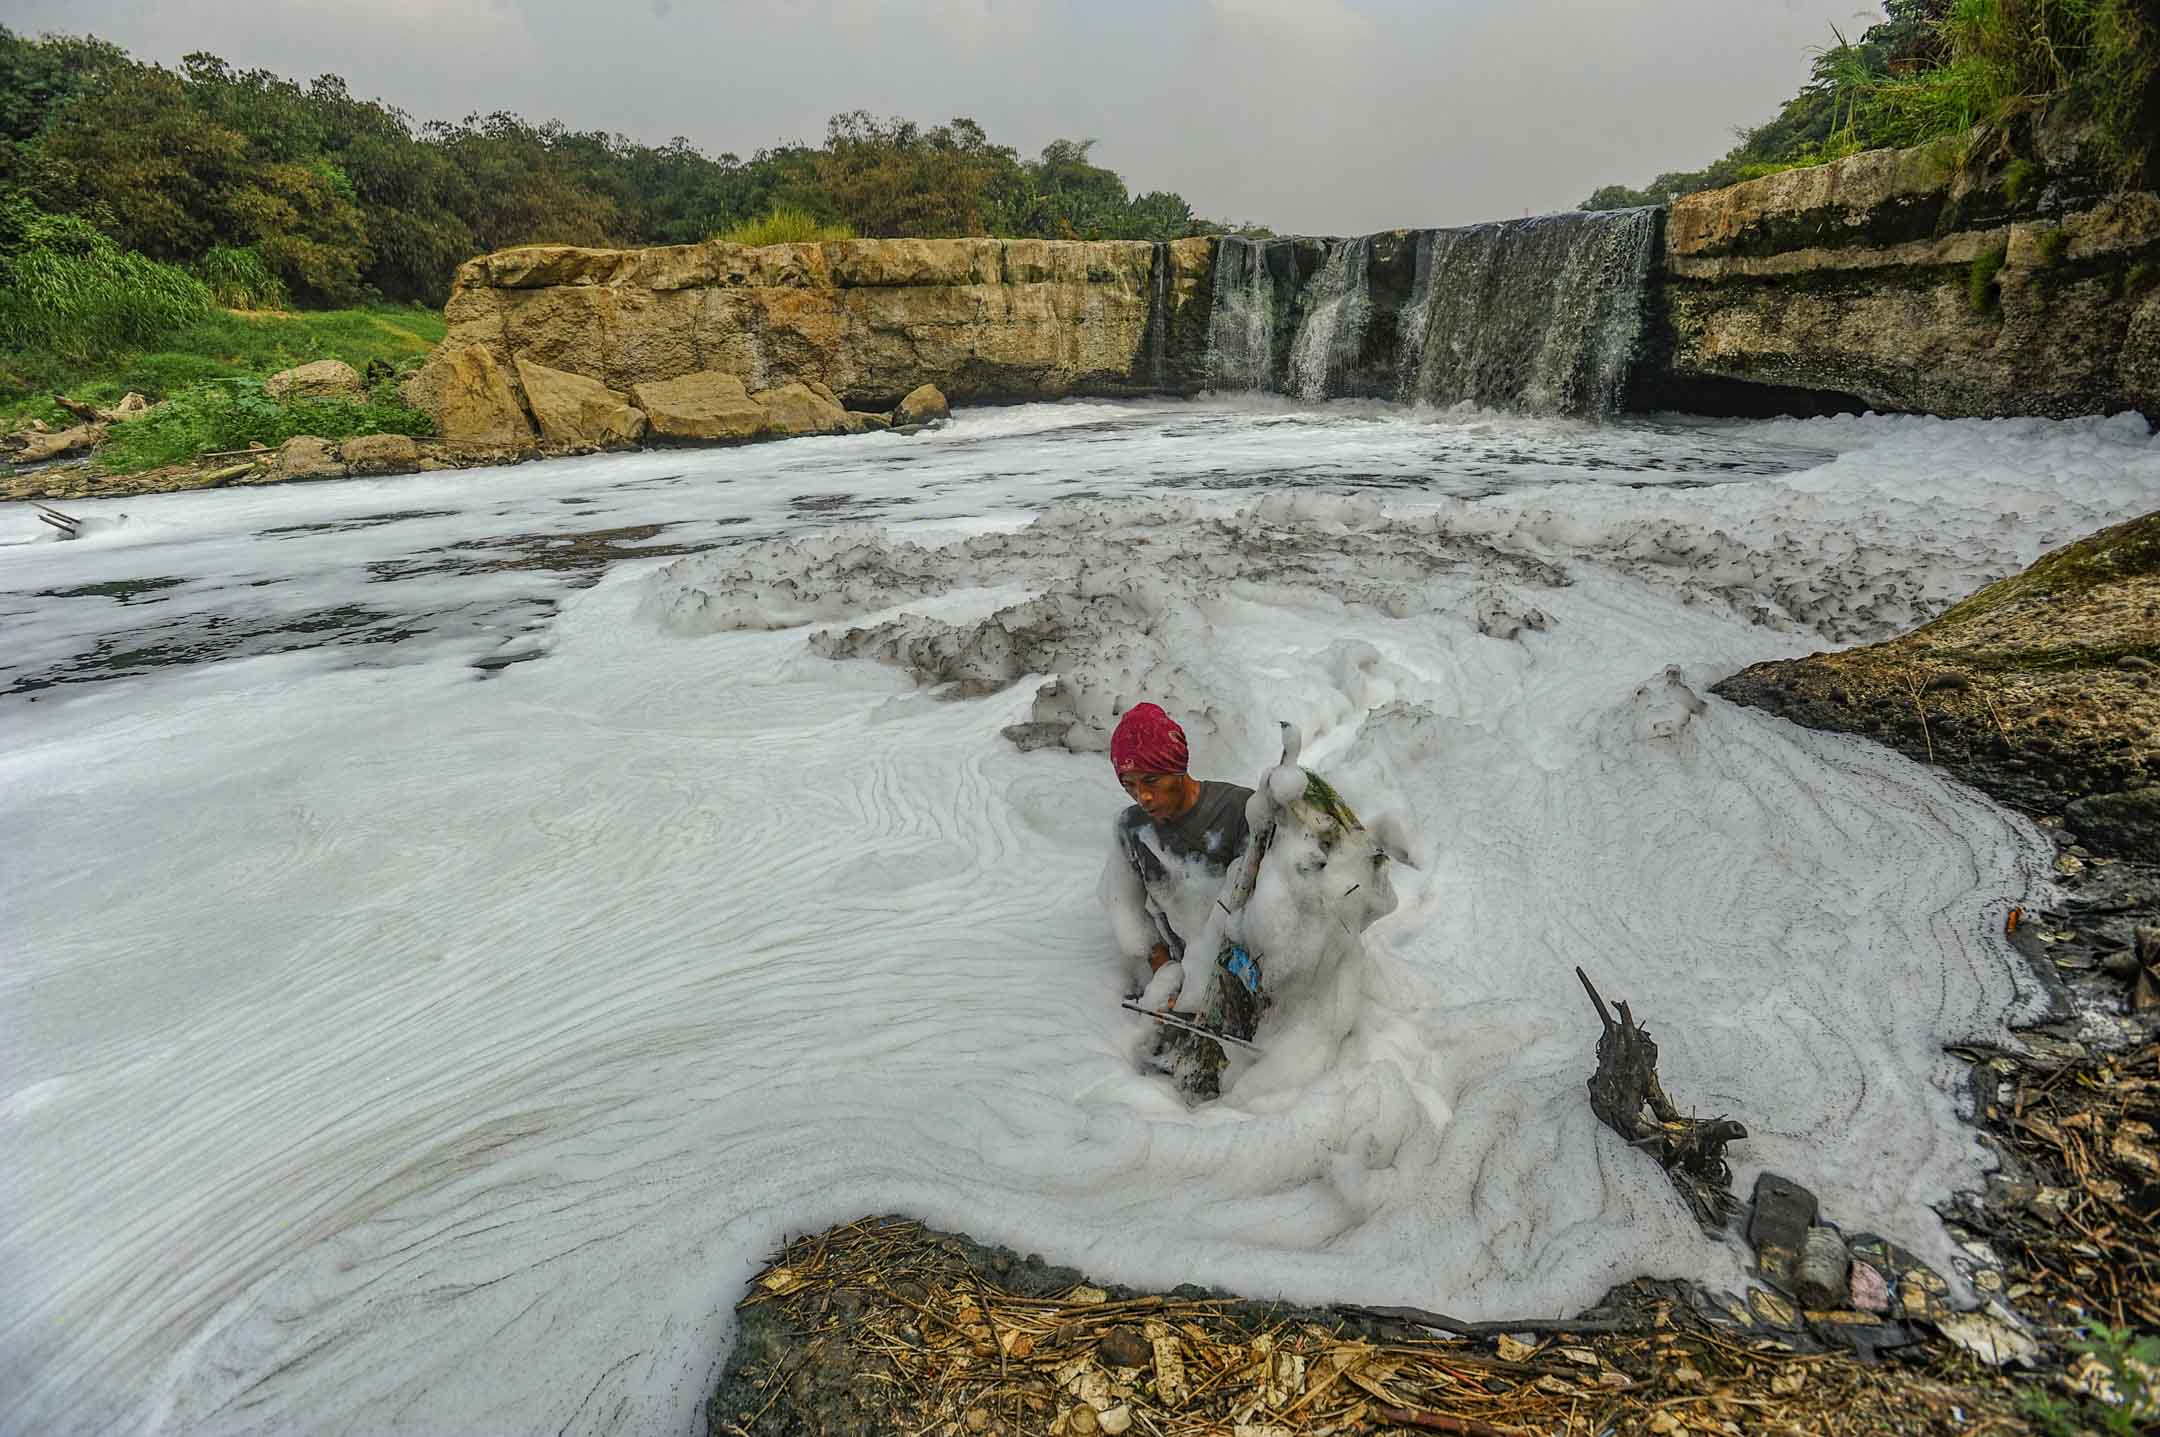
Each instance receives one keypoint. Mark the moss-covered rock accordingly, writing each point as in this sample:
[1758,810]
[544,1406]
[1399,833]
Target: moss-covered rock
[2042,690]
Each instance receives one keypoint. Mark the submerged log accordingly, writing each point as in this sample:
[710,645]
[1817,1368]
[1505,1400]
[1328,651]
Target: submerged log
[1627,1097]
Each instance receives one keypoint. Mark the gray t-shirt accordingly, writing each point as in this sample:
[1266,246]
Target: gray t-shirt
[1208,838]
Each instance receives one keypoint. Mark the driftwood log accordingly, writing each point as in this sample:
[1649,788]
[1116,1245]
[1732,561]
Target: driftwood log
[1627,1097]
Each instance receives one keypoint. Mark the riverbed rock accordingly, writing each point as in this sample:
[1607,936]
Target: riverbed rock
[304,457]
[922,404]
[573,409]
[797,409]
[1777,1226]
[380,454]
[862,422]
[707,406]
[324,379]
[466,389]
[2043,715]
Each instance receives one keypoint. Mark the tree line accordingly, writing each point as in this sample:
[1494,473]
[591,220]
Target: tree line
[331,199]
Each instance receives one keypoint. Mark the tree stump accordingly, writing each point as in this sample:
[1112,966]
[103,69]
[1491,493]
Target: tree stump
[1627,1097]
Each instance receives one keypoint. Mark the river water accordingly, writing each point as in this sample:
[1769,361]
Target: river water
[457,924]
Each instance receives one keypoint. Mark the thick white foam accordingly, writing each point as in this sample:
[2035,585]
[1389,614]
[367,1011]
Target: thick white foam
[386,1047]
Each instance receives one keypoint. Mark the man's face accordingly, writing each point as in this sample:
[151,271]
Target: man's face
[1161,796]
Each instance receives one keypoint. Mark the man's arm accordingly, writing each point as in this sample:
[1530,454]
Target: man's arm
[1124,898]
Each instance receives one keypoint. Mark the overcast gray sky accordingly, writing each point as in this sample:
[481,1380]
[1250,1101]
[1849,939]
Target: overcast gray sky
[1317,116]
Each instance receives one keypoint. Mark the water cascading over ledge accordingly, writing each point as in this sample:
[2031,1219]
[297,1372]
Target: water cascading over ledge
[1538,314]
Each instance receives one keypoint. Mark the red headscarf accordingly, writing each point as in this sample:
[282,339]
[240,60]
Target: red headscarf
[1148,741]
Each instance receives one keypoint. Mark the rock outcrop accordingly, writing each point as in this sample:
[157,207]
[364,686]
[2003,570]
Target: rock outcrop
[2042,690]
[798,409]
[868,321]
[1909,282]
[304,457]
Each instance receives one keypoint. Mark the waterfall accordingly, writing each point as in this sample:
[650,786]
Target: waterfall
[1241,321]
[1537,314]
[1331,335]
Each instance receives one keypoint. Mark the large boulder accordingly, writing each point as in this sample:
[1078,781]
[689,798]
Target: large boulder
[924,404]
[380,454]
[575,410]
[465,391]
[324,379]
[304,457]
[707,406]
[796,409]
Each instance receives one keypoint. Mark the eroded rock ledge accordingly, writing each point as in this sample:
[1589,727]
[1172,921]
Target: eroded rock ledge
[861,323]
[2042,690]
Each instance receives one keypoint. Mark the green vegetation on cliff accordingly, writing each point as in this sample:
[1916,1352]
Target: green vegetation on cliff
[1964,70]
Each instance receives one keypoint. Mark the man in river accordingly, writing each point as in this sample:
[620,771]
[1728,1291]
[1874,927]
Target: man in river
[1173,849]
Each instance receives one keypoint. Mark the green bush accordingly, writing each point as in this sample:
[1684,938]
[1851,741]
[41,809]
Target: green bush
[784,225]
[2051,245]
[240,278]
[67,290]
[1980,280]
[236,413]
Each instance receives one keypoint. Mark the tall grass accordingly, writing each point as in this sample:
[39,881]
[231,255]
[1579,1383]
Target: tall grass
[67,290]
[784,225]
[2010,57]
[239,278]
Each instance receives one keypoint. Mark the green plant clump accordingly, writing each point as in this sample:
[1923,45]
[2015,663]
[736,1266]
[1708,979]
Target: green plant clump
[2131,1364]
[784,224]
[1980,290]
[236,413]
[2051,245]
[67,290]
[2018,175]
[240,278]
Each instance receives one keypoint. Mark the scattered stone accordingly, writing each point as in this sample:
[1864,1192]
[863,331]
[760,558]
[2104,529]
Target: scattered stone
[1115,1420]
[1819,1281]
[2125,822]
[304,457]
[792,410]
[707,406]
[1777,1226]
[1082,1422]
[324,379]
[380,454]
[1771,1310]
[924,404]
[977,1419]
[1125,1347]
[1991,1333]
[1870,1287]
[861,422]
[574,409]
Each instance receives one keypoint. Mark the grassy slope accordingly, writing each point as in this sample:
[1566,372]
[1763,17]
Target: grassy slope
[231,343]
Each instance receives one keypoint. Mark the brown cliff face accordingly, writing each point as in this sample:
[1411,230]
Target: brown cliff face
[871,319]
[1909,283]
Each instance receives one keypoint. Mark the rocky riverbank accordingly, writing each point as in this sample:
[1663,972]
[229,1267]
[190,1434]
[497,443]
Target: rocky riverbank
[2036,689]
